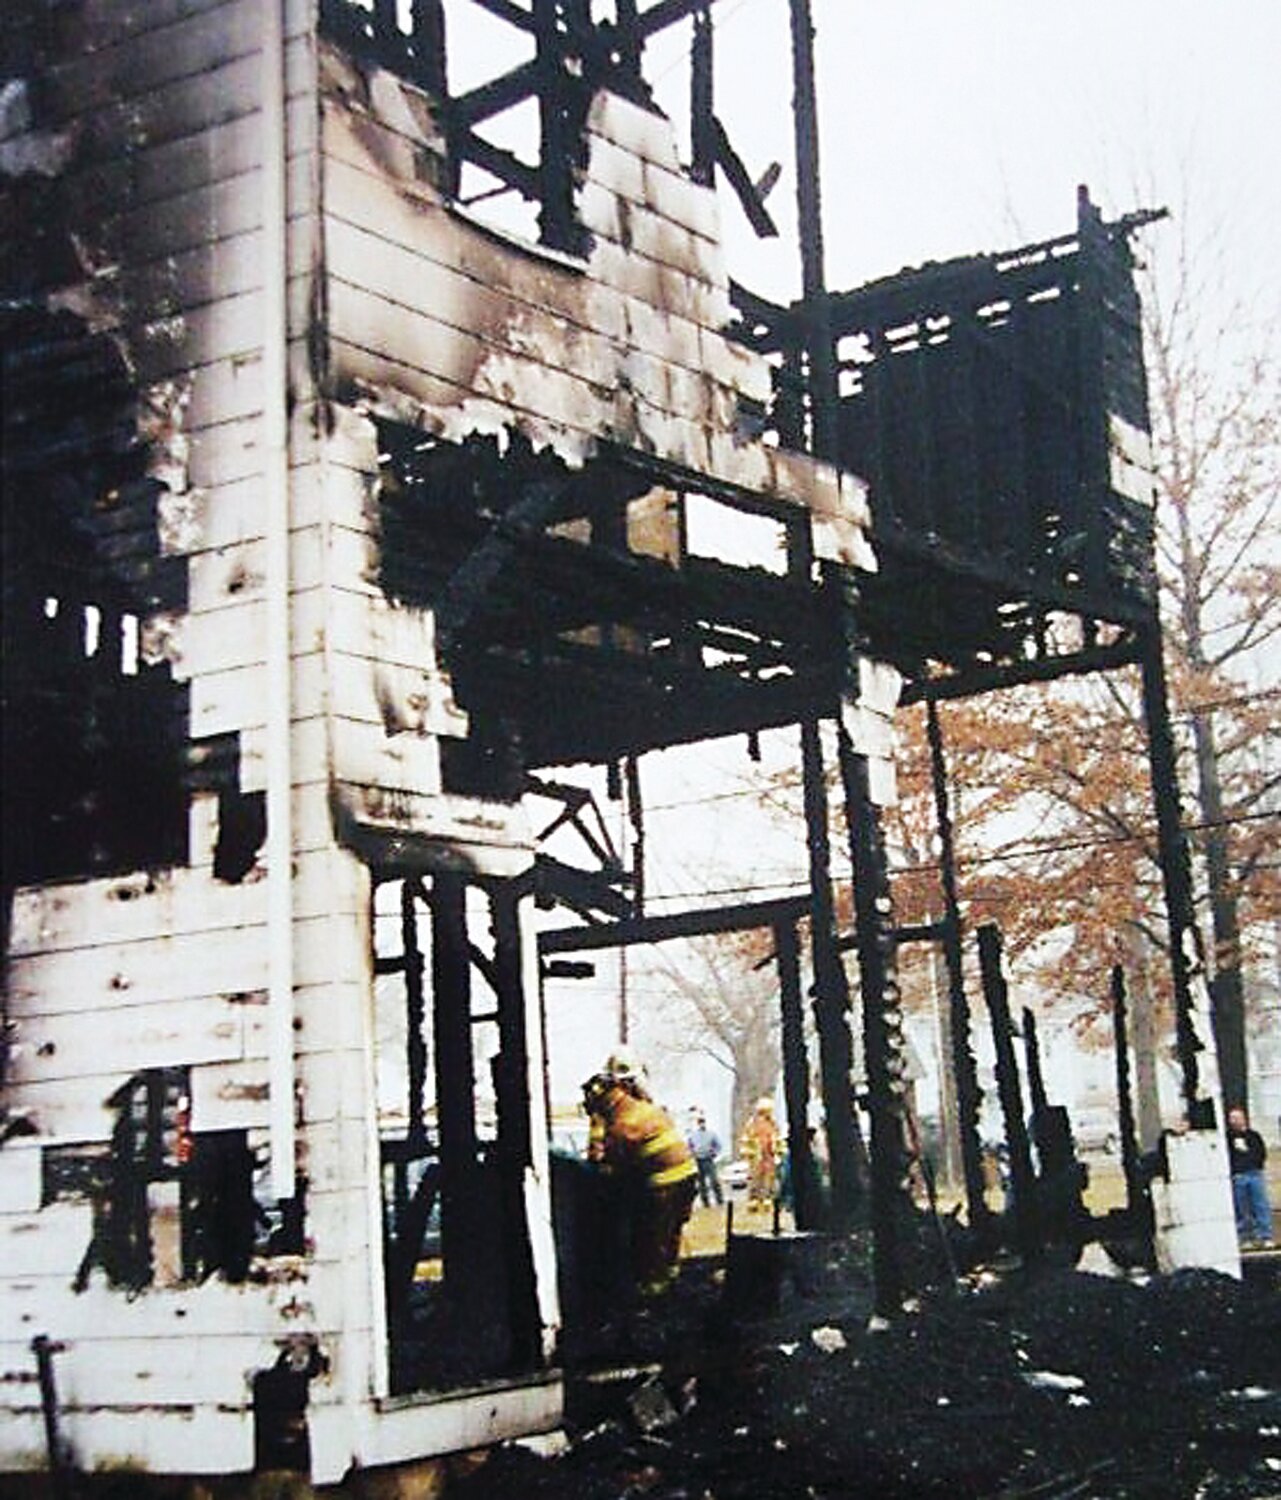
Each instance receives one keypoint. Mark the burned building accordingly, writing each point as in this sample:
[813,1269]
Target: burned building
[337,517]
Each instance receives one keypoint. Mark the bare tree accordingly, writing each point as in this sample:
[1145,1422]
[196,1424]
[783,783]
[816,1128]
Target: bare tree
[721,1006]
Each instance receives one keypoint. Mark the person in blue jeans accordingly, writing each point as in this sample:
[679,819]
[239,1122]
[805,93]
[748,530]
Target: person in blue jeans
[1247,1155]
[706,1149]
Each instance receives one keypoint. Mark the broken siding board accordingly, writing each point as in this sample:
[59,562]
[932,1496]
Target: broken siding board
[61,1114]
[644,232]
[404,392]
[176,903]
[642,133]
[414,1429]
[48,920]
[117,1372]
[308,757]
[222,963]
[365,754]
[335,1215]
[129,1038]
[23,1441]
[288,1297]
[183,1440]
[104,23]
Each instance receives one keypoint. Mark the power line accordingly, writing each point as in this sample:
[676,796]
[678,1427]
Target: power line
[1004,856]
[1209,705]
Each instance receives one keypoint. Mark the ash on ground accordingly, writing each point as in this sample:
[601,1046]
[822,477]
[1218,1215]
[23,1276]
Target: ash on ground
[1010,1385]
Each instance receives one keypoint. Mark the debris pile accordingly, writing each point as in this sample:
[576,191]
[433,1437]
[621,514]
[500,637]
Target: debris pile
[1056,1386]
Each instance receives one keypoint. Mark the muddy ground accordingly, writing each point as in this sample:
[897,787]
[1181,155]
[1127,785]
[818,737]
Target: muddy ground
[1052,1385]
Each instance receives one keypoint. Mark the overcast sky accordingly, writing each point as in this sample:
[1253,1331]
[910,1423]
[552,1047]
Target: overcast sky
[952,126]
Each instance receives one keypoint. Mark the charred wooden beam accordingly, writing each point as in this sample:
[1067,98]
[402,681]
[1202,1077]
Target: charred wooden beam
[1136,1196]
[742,917]
[668,13]
[498,94]
[816,317]
[1176,875]
[412,966]
[1037,1095]
[702,101]
[583,891]
[44,1348]
[740,179]
[636,819]
[806,1203]
[971,682]
[508,10]
[455,1077]
[963,1062]
[883,1046]
[511,1089]
[1022,1178]
[468,585]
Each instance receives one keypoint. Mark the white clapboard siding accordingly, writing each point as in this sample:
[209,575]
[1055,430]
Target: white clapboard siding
[101,1371]
[168,966]
[297,1296]
[84,1046]
[49,1243]
[201,1439]
[20,1176]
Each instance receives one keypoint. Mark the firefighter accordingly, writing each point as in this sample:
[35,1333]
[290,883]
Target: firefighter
[636,1143]
[760,1146]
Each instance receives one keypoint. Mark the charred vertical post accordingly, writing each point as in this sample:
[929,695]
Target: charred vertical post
[702,105]
[429,45]
[831,987]
[1176,876]
[831,990]
[636,817]
[415,1014]
[558,143]
[809,205]
[964,1065]
[630,40]
[1022,1181]
[455,1079]
[1134,1194]
[511,1087]
[1040,1100]
[805,1199]
[44,1349]
[882,1025]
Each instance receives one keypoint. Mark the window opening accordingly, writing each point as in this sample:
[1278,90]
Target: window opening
[453,1131]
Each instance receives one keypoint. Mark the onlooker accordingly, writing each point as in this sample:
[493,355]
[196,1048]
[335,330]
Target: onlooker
[706,1147]
[1247,1154]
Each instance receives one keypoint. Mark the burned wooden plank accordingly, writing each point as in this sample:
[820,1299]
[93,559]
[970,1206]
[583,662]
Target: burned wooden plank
[1022,1178]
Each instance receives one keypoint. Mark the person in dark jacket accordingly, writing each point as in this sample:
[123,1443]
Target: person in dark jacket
[1247,1155]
